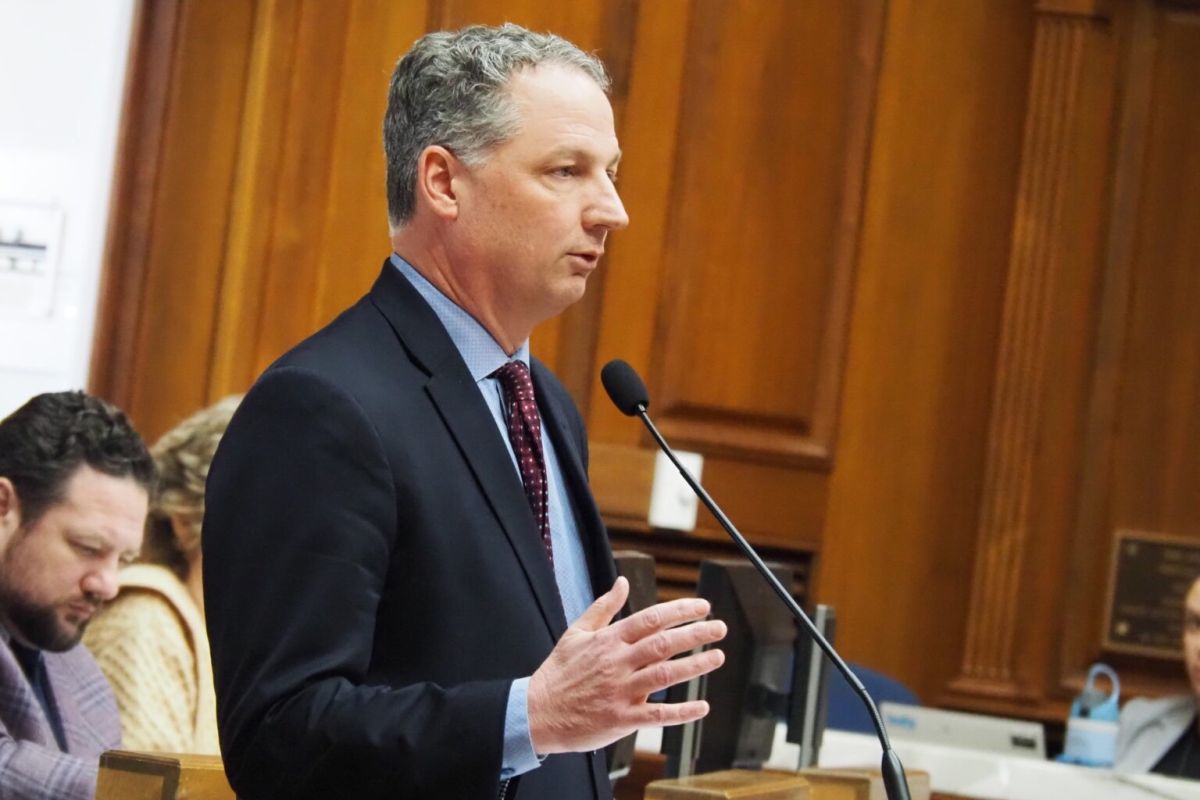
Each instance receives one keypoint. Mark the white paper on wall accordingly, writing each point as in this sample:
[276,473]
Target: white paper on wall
[30,239]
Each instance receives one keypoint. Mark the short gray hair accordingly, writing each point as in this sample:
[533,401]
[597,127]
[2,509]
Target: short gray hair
[451,89]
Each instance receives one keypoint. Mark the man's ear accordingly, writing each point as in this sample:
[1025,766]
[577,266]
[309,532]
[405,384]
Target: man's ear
[10,510]
[436,170]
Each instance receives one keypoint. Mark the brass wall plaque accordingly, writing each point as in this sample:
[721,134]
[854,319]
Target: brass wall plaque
[1151,574]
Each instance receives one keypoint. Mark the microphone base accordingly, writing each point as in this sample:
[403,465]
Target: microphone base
[894,779]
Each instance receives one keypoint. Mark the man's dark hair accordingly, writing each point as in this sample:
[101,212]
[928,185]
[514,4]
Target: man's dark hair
[46,440]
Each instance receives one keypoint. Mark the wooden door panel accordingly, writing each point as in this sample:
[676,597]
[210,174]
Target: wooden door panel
[1156,476]
[748,251]
[752,239]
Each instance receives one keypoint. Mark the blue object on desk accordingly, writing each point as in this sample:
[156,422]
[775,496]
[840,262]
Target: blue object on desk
[1092,727]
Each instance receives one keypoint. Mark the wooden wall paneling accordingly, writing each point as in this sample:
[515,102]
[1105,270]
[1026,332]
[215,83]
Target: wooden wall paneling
[139,148]
[730,291]
[1041,380]
[1101,9]
[769,172]
[1157,469]
[622,472]
[355,229]
[259,163]
[903,496]
[583,23]
[575,333]
[1082,600]
[1139,454]
[172,345]
[632,273]
[1014,406]
[677,560]
[773,504]
[295,218]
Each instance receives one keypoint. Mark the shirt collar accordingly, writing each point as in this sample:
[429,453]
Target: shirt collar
[482,354]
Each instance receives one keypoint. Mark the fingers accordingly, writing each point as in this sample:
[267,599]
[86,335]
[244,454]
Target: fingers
[660,617]
[663,674]
[593,687]
[601,612]
[657,715]
[666,644]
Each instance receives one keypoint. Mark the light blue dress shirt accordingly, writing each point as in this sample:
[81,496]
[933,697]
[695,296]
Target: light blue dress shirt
[483,356]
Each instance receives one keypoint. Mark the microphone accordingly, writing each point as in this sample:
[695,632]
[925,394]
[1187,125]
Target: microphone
[629,395]
[625,388]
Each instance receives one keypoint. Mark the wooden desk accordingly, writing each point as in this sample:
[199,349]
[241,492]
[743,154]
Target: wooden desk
[650,767]
[126,775]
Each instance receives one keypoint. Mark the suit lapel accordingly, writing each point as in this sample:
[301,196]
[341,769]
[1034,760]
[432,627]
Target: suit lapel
[62,683]
[20,710]
[457,399]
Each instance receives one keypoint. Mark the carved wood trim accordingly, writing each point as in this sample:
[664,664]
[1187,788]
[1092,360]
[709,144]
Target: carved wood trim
[1096,9]
[677,559]
[990,659]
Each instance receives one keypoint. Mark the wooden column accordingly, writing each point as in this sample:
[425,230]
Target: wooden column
[1043,272]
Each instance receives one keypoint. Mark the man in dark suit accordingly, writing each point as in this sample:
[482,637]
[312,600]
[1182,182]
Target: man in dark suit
[74,484]
[409,590]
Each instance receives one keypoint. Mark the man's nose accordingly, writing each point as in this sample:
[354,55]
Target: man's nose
[607,211]
[102,582]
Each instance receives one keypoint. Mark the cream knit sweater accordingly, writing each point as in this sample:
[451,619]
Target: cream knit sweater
[151,644]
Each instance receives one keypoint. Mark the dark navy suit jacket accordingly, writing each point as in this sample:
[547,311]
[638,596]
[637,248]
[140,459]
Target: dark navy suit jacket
[373,577]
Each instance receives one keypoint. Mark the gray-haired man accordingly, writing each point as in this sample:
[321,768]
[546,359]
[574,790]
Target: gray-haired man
[409,588]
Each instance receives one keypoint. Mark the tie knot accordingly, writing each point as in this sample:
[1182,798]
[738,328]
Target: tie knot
[514,376]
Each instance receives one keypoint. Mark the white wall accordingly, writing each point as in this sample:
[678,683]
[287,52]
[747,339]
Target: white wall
[62,69]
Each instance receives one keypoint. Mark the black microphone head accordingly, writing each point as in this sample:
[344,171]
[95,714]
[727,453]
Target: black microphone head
[624,387]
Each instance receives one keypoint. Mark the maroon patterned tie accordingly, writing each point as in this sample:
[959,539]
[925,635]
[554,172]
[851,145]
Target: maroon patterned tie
[525,433]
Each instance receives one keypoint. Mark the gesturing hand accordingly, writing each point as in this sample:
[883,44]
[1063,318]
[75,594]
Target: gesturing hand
[592,688]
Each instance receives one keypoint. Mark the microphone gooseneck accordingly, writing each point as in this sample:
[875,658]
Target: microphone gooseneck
[628,393]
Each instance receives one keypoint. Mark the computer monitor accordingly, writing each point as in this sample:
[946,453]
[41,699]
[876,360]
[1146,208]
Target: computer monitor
[638,569]
[808,705]
[748,694]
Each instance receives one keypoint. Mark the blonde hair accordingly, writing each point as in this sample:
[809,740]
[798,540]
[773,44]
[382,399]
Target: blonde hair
[182,457]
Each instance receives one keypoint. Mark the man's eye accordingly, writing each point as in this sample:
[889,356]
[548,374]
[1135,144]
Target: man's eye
[564,172]
[87,549]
